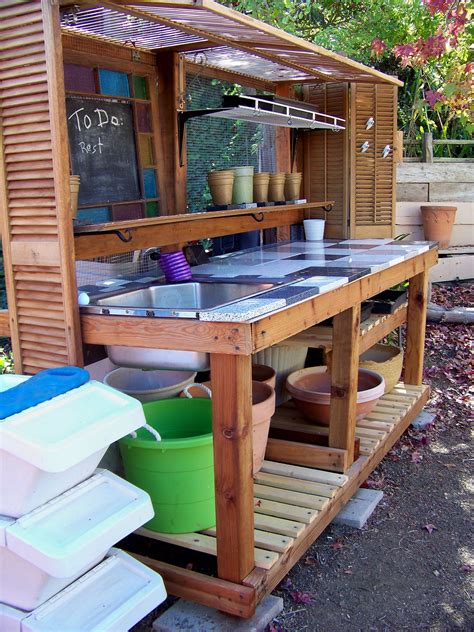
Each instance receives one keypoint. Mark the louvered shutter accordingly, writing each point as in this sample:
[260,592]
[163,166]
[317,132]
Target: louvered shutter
[326,170]
[34,168]
[372,175]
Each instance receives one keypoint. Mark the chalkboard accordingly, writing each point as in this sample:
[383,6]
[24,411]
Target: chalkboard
[103,152]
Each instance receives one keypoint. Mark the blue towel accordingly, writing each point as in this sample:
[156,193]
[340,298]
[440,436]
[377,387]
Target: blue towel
[41,387]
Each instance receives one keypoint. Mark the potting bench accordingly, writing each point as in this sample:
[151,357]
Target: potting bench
[265,525]
[260,531]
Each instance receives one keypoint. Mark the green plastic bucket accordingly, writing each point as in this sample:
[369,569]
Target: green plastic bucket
[178,471]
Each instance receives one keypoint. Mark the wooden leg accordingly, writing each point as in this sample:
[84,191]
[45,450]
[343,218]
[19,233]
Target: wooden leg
[231,379]
[416,327]
[345,364]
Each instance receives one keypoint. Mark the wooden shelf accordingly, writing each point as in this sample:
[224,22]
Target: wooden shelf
[293,504]
[97,240]
[376,327]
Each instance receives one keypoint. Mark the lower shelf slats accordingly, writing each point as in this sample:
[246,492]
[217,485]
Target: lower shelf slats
[290,499]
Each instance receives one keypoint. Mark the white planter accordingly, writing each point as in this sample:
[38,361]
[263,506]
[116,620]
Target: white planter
[112,597]
[284,359]
[49,448]
[46,550]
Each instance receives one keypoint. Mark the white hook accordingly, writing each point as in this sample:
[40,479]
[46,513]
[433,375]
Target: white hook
[364,147]
[386,150]
[370,122]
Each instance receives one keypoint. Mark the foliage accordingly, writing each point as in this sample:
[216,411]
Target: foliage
[425,43]
[6,361]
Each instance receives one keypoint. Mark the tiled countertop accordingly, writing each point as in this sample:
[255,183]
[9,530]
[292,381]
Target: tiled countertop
[303,269]
[314,267]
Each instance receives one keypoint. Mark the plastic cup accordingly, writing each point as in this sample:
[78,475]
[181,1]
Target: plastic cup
[314,229]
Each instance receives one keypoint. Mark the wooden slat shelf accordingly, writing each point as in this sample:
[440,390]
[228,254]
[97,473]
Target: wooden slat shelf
[294,504]
[376,327]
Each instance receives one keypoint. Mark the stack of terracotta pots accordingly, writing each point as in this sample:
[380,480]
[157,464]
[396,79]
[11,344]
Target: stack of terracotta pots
[276,189]
[293,186]
[221,184]
[260,186]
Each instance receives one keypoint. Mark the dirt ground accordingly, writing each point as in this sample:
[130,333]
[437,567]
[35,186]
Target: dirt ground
[411,567]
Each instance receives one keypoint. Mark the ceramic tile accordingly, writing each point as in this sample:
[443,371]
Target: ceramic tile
[316,256]
[279,268]
[260,257]
[323,283]
[373,264]
[375,242]
[352,246]
[338,271]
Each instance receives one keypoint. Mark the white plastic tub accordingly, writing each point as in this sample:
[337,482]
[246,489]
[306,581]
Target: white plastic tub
[49,448]
[50,547]
[148,386]
[112,597]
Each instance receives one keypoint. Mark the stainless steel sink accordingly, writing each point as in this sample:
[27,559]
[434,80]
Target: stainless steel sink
[180,297]
[175,300]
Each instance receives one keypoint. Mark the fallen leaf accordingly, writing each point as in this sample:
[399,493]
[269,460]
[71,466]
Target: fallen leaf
[299,596]
[335,546]
[430,528]
[286,584]
[466,568]
[416,457]
[347,571]
[309,560]
[258,503]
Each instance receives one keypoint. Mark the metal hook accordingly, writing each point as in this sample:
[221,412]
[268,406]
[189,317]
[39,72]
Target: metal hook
[121,235]
[328,208]
[258,217]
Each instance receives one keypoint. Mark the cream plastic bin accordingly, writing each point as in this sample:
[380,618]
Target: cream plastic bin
[112,597]
[49,448]
[46,550]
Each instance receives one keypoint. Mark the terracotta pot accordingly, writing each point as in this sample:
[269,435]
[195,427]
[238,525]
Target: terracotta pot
[74,182]
[260,187]
[276,189]
[386,360]
[438,223]
[284,359]
[263,407]
[293,186]
[264,373]
[221,185]
[311,392]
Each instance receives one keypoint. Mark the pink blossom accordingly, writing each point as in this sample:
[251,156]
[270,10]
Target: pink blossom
[378,46]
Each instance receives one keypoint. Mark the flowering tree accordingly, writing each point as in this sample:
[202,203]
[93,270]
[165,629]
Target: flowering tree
[424,42]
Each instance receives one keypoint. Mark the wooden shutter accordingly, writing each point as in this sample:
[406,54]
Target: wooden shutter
[372,176]
[326,162]
[38,245]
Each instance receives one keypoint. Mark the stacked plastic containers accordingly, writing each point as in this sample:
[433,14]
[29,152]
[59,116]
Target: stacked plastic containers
[60,516]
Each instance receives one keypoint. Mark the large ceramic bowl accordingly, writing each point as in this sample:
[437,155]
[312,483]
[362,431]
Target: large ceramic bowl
[311,391]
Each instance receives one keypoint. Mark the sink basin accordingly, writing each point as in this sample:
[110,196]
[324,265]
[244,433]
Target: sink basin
[183,299]
[183,296]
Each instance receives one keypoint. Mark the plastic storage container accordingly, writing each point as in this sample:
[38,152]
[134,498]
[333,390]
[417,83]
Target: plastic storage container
[46,550]
[177,472]
[51,447]
[112,597]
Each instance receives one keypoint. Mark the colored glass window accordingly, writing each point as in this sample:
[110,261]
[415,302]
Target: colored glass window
[140,90]
[127,211]
[152,209]
[79,78]
[96,215]
[112,82]
[149,180]
[143,117]
[146,150]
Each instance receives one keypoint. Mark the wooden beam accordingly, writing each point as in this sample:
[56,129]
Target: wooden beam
[209,591]
[344,369]
[171,84]
[166,333]
[298,453]
[231,380]
[416,326]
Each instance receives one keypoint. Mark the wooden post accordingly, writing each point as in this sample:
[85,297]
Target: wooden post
[170,78]
[345,365]
[427,147]
[283,153]
[416,326]
[232,427]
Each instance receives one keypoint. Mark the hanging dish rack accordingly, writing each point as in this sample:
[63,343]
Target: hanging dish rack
[267,110]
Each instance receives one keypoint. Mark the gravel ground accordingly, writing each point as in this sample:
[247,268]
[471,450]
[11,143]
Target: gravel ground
[410,568]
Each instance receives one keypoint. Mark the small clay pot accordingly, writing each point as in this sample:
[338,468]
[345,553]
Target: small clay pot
[74,182]
[293,186]
[263,407]
[260,187]
[276,188]
[221,184]
[264,373]
[438,223]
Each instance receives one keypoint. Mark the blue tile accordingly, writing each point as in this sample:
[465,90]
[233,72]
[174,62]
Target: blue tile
[112,82]
[149,181]
[96,215]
